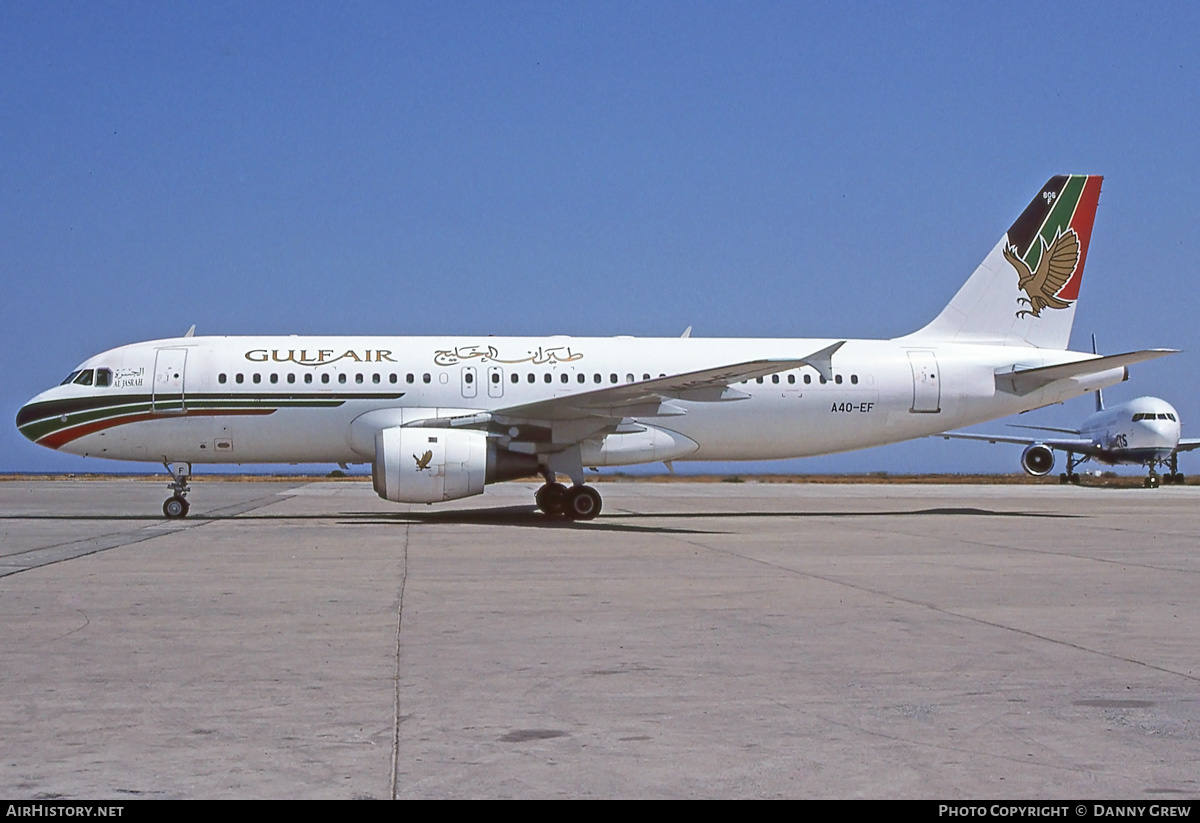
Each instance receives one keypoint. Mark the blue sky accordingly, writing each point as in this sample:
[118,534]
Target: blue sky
[749,169]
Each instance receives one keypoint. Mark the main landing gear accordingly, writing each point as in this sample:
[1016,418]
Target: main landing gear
[1069,476]
[579,502]
[176,506]
[1173,477]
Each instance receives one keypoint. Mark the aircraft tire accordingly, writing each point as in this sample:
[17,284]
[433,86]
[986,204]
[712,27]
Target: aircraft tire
[175,508]
[583,503]
[1151,482]
[551,498]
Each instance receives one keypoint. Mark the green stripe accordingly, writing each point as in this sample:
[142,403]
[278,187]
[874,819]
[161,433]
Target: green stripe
[1059,217]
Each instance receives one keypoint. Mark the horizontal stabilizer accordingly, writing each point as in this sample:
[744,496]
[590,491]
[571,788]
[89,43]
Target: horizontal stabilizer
[1027,381]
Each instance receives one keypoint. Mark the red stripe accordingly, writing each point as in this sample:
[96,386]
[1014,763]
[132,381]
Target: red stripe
[1085,216]
[58,439]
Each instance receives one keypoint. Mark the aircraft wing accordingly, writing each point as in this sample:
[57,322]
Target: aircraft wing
[1027,381]
[646,398]
[1075,445]
[1187,444]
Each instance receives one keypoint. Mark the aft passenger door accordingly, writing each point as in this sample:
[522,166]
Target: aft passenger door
[168,393]
[927,384]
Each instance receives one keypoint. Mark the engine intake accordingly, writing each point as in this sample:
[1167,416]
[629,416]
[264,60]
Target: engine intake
[1037,460]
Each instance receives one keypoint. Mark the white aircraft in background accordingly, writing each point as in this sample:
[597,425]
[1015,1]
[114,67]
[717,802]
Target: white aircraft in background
[1142,432]
[440,417]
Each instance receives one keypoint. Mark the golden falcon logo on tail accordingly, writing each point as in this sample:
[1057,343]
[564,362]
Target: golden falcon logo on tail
[1058,263]
[423,461]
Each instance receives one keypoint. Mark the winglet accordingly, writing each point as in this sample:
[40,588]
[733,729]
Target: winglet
[822,360]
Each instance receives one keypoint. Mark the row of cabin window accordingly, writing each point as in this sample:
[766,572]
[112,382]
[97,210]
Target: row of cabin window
[791,379]
[469,378]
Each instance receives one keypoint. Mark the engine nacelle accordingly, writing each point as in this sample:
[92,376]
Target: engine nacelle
[428,465]
[1037,460]
[416,465]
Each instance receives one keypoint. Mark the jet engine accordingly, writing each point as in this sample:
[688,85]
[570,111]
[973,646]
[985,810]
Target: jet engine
[428,465]
[1037,460]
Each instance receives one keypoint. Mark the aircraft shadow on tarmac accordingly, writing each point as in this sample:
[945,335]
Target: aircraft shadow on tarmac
[529,516]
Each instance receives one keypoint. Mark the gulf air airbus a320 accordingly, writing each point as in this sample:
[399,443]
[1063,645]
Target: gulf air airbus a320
[441,417]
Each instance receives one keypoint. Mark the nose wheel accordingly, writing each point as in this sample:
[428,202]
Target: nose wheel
[176,507]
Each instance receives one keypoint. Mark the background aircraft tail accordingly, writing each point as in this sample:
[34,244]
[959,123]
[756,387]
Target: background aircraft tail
[1024,291]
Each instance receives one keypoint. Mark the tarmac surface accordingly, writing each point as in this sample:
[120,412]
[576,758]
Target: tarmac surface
[308,640]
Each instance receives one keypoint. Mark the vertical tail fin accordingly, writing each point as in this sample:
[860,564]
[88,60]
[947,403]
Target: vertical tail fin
[1024,291]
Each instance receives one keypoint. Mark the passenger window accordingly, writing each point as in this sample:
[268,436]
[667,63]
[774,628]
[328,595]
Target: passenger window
[791,378]
[547,377]
[758,380]
[425,377]
[392,378]
[221,378]
[358,378]
[823,380]
[291,378]
[408,378]
[582,377]
[774,378]
[629,378]
[238,378]
[565,377]
[837,378]
[342,377]
[596,377]
[325,377]
[854,379]
[308,377]
[495,378]
[468,378]
[612,378]
[531,377]
[375,378]
[256,377]
[274,377]
[516,378]
[808,378]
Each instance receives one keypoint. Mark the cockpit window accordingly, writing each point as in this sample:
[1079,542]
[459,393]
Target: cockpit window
[85,377]
[103,377]
[70,378]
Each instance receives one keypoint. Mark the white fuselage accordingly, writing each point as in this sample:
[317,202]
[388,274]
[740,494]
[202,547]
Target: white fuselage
[296,399]
[1143,431]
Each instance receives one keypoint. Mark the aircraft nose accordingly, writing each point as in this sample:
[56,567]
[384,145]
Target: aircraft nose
[28,417]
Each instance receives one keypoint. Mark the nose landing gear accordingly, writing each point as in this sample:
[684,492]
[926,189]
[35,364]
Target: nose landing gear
[176,506]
